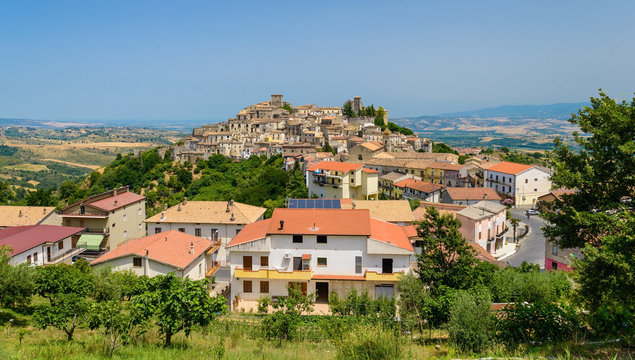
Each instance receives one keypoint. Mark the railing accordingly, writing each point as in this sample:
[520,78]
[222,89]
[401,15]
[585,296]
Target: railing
[100,231]
[500,234]
[273,274]
[63,256]
[211,271]
[375,276]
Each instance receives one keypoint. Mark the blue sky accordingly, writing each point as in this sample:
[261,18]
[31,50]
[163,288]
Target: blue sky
[82,60]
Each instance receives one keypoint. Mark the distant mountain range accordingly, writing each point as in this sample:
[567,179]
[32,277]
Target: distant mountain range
[532,127]
[177,125]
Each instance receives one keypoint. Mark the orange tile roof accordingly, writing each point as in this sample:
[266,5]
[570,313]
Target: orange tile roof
[251,232]
[116,201]
[420,185]
[462,193]
[389,233]
[320,221]
[370,171]
[445,165]
[171,247]
[335,166]
[509,167]
[411,231]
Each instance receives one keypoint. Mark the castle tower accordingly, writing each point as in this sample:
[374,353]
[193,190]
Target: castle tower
[357,104]
[276,100]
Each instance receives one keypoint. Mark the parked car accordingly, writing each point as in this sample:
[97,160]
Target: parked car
[532,212]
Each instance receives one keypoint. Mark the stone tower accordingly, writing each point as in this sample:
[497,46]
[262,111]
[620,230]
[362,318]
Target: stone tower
[357,104]
[276,100]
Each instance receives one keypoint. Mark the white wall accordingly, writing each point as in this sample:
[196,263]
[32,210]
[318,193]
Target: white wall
[153,268]
[41,252]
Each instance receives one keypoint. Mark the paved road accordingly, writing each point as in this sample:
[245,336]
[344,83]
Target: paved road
[532,248]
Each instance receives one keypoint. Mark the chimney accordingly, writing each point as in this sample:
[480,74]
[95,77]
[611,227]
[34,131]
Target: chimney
[165,206]
[184,200]
[114,192]
[162,216]
[281,225]
[354,205]
[116,202]
[43,210]
[179,208]
[232,218]
[191,248]
[20,213]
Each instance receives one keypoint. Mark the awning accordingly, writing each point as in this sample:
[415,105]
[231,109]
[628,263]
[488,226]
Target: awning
[306,256]
[90,242]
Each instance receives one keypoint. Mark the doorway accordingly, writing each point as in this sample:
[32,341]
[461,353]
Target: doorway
[322,290]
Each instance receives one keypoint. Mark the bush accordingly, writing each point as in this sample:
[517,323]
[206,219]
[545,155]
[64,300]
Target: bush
[471,323]
[539,323]
[369,342]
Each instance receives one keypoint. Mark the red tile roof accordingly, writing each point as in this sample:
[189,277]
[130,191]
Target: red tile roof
[171,247]
[509,168]
[370,171]
[335,166]
[389,233]
[411,231]
[121,200]
[23,238]
[462,193]
[251,232]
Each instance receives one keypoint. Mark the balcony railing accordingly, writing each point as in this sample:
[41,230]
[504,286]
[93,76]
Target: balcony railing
[100,231]
[375,276]
[500,234]
[273,274]
[59,258]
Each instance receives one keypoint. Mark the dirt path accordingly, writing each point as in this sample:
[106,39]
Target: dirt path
[92,167]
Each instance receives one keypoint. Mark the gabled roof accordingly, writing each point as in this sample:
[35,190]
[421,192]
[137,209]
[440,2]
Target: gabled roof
[481,210]
[171,247]
[463,193]
[509,168]
[372,145]
[411,231]
[116,201]
[419,185]
[445,165]
[387,210]
[420,212]
[335,166]
[23,215]
[209,212]
[390,234]
[392,176]
[23,238]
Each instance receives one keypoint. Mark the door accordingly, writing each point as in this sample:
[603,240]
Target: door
[247,262]
[48,254]
[297,263]
[386,266]
[322,289]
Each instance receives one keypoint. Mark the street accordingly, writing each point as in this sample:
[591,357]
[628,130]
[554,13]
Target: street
[532,248]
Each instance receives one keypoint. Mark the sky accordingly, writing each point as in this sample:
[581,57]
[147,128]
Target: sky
[206,60]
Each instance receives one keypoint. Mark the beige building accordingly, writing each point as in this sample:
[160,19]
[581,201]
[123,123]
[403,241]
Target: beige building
[329,179]
[28,215]
[365,151]
[218,221]
[116,216]
[523,183]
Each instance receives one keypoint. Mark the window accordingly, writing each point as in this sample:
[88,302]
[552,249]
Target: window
[35,257]
[554,250]
[60,245]
[136,262]
[28,259]
[82,210]
[535,179]
[321,239]
[197,232]
[535,190]
[479,235]
[554,265]
[140,225]
[526,181]
[200,269]
[386,266]
[113,224]
[238,230]
[157,230]
[139,211]
[264,261]
[247,262]
[359,157]
[247,286]
[358,264]
[306,264]
[321,261]
[182,230]
[264,287]
[297,238]
[496,177]
[214,234]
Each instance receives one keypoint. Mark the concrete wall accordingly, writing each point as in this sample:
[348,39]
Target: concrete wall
[41,252]
[153,268]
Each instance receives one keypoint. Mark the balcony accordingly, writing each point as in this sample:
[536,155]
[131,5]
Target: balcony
[375,276]
[60,258]
[502,233]
[273,274]
[100,231]
[212,270]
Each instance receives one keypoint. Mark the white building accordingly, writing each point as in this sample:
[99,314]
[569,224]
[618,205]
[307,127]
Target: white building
[213,220]
[523,183]
[184,255]
[40,244]
[324,250]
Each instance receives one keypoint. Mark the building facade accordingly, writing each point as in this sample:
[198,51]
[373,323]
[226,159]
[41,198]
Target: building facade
[329,179]
[523,183]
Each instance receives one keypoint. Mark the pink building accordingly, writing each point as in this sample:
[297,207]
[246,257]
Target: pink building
[484,223]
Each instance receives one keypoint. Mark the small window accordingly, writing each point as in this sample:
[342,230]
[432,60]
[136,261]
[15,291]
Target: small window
[82,210]
[554,265]
[157,230]
[237,231]
[197,232]
[28,259]
[535,190]
[264,261]
[535,179]
[35,257]
[113,224]
[526,181]
[136,262]
[297,238]
[247,286]
[554,250]
[60,245]
[125,217]
[182,230]
[321,239]
[214,234]
[321,261]
[139,211]
[200,269]
[264,287]
[358,264]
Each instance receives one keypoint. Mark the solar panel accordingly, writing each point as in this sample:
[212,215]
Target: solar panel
[314,204]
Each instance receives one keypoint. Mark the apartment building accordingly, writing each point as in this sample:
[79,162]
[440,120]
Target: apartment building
[387,184]
[114,216]
[218,221]
[411,189]
[329,179]
[484,223]
[523,183]
[323,250]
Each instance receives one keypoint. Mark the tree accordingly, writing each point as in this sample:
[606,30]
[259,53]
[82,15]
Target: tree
[283,324]
[117,320]
[177,304]
[40,197]
[288,108]
[413,302]
[443,148]
[6,194]
[67,289]
[328,148]
[598,216]
[17,282]
[471,324]
[514,222]
[347,110]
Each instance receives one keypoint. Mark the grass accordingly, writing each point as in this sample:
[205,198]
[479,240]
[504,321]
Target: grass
[28,167]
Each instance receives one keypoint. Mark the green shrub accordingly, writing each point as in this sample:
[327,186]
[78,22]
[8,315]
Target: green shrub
[539,323]
[370,343]
[471,324]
